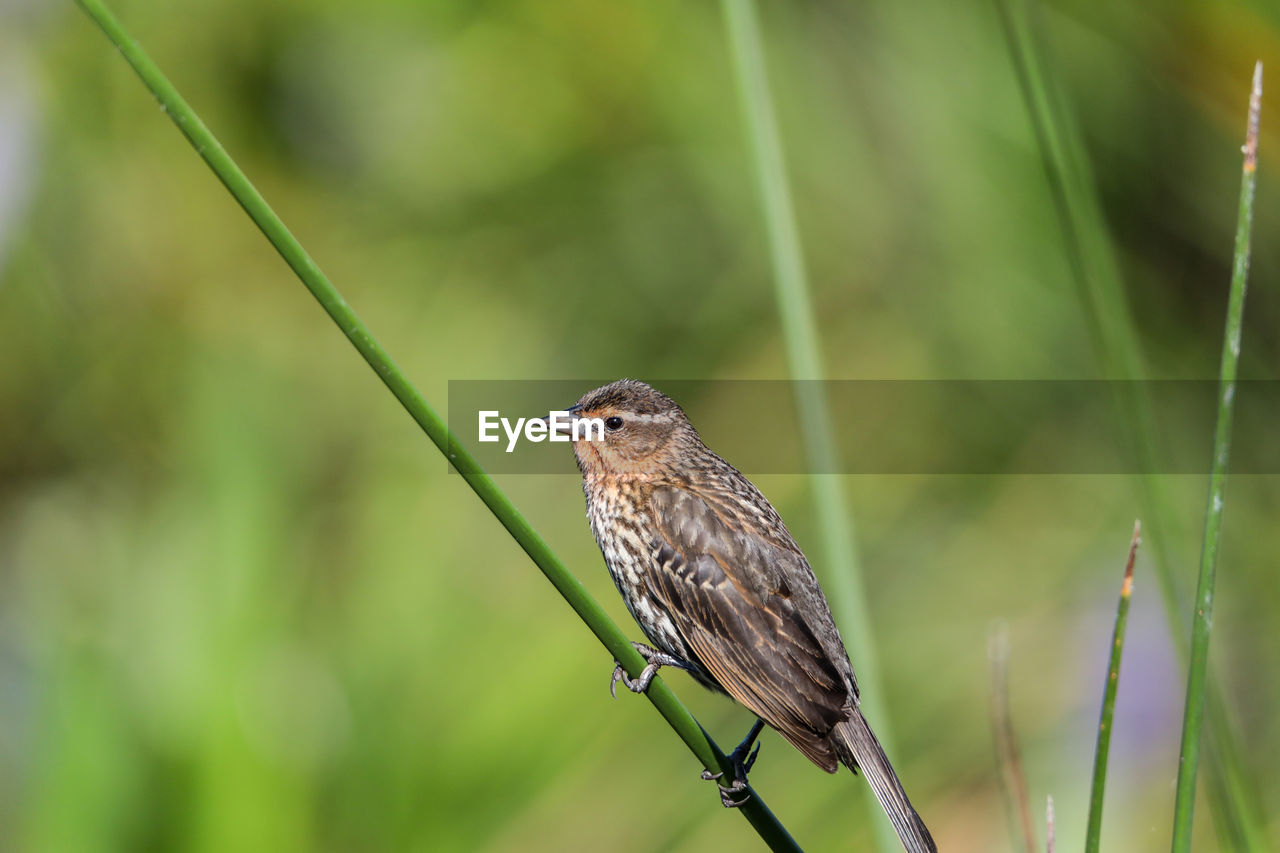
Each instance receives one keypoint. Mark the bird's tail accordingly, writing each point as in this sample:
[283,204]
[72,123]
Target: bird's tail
[859,750]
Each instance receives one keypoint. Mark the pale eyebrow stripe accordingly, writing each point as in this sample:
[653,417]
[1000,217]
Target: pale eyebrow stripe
[643,418]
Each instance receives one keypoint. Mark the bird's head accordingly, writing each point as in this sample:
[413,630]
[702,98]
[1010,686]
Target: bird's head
[644,431]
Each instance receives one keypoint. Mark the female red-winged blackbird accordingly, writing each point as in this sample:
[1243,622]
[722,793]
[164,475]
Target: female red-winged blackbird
[713,577]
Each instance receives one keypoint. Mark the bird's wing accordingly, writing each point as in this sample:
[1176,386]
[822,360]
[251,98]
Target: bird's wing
[727,593]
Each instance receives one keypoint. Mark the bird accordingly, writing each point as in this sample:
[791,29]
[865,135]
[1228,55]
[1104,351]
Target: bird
[720,588]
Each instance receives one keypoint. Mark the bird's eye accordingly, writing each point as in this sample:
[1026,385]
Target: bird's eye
[613,423]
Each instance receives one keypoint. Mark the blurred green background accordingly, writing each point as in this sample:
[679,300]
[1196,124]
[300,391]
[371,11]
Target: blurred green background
[243,608]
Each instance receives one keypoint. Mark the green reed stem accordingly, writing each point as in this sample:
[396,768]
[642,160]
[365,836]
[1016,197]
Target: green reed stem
[1202,622]
[211,151]
[1232,793]
[1094,832]
[843,575]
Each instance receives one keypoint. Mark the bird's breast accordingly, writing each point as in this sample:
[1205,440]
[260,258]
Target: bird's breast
[624,530]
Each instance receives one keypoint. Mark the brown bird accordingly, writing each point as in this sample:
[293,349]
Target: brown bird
[716,582]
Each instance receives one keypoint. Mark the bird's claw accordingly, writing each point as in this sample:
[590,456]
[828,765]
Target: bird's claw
[727,792]
[654,661]
[727,800]
[742,764]
[635,685]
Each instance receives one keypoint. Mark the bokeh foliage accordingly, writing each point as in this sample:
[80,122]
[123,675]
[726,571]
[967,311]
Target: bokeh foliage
[242,606]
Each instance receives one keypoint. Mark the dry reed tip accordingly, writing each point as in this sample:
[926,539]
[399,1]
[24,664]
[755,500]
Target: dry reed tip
[1127,588]
[1255,117]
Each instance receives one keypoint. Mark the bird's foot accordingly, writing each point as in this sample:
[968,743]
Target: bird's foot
[655,660]
[743,758]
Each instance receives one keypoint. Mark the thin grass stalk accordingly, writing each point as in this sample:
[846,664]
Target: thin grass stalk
[613,639]
[1232,793]
[1093,832]
[1013,779]
[1202,621]
[1050,827]
[843,572]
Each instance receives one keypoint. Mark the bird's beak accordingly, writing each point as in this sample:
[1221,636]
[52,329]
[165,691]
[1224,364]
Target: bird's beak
[561,422]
